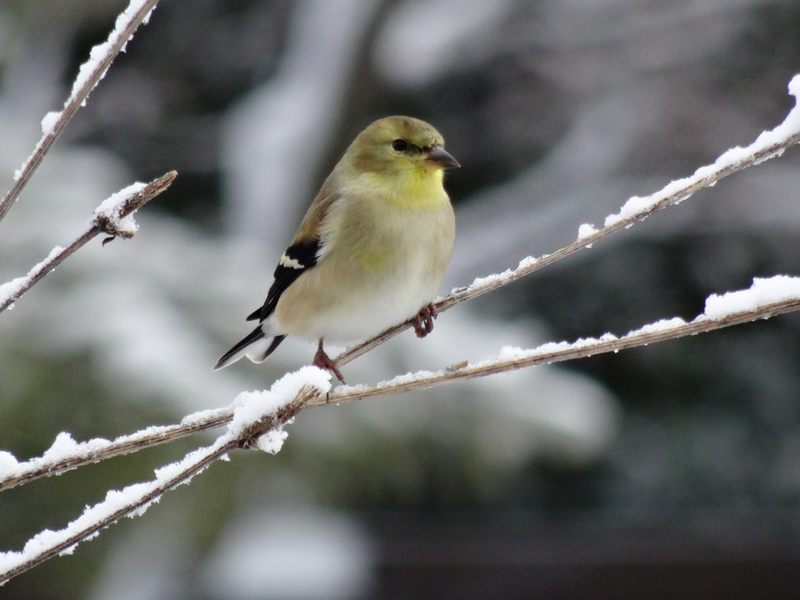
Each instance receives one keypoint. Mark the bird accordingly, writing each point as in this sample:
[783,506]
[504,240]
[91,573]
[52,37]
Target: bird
[370,252]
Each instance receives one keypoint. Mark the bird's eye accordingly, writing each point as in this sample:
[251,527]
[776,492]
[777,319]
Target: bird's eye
[400,145]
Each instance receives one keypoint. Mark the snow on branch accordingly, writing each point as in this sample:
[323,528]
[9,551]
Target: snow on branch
[769,144]
[130,501]
[257,421]
[66,454]
[89,74]
[764,299]
[113,217]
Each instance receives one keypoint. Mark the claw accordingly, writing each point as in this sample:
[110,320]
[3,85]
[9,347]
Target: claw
[423,322]
[323,361]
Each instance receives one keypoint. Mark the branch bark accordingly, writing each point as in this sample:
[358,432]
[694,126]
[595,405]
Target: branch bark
[92,451]
[101,223]
[89,75]
[135,499]
[546,354]
[555,353]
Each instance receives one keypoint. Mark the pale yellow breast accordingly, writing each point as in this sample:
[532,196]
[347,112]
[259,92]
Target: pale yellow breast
[387,257]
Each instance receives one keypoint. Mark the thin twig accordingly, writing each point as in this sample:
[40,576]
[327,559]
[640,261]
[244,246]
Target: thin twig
[100,224]
[672,194]
[152,492]
[93,451]
[85,83]
[564,352]
[544,355]
[135,499]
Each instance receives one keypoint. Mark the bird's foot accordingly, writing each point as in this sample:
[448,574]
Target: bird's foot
[423,322]
[323,361]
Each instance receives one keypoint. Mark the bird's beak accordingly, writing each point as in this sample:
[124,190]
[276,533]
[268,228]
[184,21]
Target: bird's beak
[437,157]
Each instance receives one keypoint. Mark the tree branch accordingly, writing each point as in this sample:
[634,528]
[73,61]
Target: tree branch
[135,499]
[551,353]
[108,218]
[510,360]
[66,454]
[90,73]
[254,417]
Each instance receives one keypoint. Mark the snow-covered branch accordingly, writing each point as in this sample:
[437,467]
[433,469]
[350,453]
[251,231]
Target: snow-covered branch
[66,454]
[113,217]
[256,419]
[90,73]
[769,144]
[764,299]
[117,504]
[257,422]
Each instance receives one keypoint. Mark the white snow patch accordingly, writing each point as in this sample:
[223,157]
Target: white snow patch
[99,53]
[64,444]
[12,290]
[250,407]
[586,230]
[351,389]
[659,326]
[8,462]
[111,208]
[527,262]
[49,122]
[637,207]
[203,416]
[763,291]
[491,279]
[409,378]
[498,278]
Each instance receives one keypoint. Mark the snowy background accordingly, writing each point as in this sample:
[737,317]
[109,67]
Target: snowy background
[671,469]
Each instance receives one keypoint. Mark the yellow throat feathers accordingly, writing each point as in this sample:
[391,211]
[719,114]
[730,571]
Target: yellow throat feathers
[412,189]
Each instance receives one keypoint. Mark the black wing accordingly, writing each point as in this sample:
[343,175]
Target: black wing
[297,259]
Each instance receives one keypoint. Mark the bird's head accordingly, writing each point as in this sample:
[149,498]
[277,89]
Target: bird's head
[401,147]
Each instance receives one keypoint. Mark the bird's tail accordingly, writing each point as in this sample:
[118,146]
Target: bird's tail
[256,346]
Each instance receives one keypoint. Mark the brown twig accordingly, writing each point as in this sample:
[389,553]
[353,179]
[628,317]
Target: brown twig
[138,497]
[548,354]
[91,452]
[565,352]
[116,42]
[100,224]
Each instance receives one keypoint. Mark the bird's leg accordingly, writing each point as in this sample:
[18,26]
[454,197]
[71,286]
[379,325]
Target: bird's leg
[423,322]
[323,361]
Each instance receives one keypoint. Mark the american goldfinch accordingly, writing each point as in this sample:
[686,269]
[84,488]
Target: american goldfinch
[370,252]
